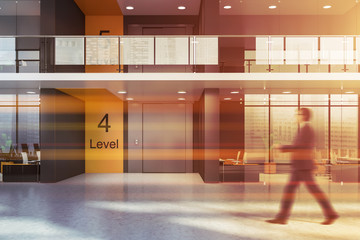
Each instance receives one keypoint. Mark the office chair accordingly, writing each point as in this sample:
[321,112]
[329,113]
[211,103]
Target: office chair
[239,157]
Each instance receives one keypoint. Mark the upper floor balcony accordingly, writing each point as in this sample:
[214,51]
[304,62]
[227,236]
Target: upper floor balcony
[180,54]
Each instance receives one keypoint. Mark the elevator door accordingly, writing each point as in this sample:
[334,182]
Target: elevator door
[164,138]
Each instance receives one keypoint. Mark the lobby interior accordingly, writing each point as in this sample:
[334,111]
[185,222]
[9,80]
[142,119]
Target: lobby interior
[157,119]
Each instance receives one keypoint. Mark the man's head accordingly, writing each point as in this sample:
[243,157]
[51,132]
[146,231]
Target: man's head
[304,114]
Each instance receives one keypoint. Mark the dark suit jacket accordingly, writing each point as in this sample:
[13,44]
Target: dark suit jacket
[302,157]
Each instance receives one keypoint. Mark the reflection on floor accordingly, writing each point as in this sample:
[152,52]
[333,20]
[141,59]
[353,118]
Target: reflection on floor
[169,207]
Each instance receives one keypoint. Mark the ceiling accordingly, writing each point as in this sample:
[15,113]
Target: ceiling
[143,87]
[160,7]
[170,7]
[99,7]
[286,7]
[239,7]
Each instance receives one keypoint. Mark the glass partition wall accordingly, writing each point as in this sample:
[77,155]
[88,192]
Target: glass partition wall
[147,53]
[19,124]
[270,119]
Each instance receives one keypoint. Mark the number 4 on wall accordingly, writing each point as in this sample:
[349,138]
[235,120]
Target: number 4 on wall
[106,126]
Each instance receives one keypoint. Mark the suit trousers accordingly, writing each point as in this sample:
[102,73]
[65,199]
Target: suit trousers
[307,177]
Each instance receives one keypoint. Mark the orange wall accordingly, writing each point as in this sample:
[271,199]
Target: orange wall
[93,25]
[104,159]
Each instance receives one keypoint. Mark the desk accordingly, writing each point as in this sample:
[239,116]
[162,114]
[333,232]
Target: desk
[21,173]
[241,172]
[345,173]
[347,161]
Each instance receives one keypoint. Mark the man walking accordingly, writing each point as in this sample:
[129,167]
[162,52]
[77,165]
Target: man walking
[302,163]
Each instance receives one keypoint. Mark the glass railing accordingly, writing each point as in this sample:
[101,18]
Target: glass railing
[134,54]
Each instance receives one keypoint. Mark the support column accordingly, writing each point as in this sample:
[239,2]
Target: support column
[209,118]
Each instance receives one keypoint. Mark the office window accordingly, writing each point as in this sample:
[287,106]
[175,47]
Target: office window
[344,125]
[320,123]
[19,120]
[344,132]
[284,99]
[281,125]
[7,125]
[314,99]
[283,128]
[344,99]
[256,99]
[302,50]
[256,134]
[28,126]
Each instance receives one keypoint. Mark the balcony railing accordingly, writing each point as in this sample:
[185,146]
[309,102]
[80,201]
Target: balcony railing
[240,54]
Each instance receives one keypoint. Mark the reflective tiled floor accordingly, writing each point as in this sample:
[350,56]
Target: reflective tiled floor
[169,207]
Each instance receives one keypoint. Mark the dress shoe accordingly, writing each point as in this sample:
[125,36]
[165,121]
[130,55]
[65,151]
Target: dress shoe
[330,219]
[277,221]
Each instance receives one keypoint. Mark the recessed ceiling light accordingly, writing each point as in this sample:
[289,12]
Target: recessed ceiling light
[227,99]
[227,7]
[129,99]
[122,92]
[326,6]
[286,92]
[181,7]
[272,7]
[349,92]
[130,8]
[181,92]
[30,92]
[234,92]
[181,99]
